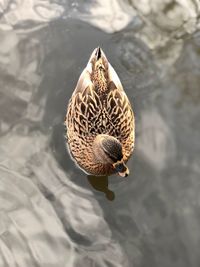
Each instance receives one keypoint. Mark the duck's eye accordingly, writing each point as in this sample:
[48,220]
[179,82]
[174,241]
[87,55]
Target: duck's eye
[120,167]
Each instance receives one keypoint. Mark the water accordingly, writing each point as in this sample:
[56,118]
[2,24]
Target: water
[51,214]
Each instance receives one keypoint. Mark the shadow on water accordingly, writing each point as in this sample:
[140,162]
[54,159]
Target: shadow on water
[100,183]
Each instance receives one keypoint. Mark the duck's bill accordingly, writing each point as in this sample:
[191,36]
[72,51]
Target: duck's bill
[124,174]
[121,168]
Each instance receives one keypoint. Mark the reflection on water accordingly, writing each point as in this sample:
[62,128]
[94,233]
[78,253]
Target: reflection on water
[51,214]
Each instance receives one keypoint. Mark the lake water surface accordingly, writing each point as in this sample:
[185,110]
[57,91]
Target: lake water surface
[51,214]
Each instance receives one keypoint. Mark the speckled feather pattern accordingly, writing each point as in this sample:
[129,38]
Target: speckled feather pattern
[99,108]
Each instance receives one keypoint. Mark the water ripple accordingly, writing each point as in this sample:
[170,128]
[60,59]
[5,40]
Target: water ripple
[32,233]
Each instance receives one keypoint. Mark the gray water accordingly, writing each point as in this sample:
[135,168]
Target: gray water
[51,214]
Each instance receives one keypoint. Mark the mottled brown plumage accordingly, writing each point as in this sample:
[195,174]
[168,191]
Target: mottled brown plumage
[100,121]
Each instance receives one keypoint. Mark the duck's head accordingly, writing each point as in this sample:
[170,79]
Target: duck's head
[108,149]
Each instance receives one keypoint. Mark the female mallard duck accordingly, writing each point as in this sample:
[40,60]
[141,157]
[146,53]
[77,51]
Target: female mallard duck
[100,121]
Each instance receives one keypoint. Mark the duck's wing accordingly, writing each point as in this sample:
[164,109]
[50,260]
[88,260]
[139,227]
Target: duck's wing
[118,105]
[113,79]
[121,117]
[84,81]
[83,110]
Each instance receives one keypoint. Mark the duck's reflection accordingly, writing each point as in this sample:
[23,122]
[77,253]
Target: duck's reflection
[100,183]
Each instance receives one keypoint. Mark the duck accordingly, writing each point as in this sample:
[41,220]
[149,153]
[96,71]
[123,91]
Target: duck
[100,124]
